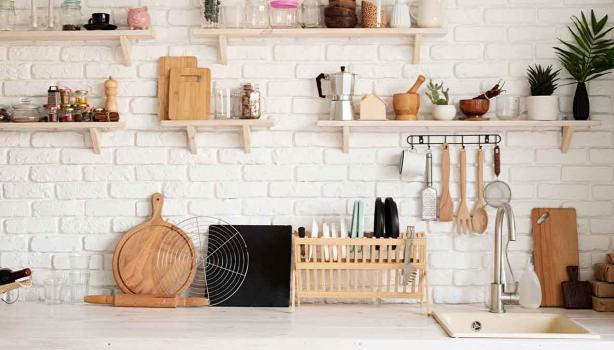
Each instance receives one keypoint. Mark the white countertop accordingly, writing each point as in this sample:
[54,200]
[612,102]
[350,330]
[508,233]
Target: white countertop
[38,326]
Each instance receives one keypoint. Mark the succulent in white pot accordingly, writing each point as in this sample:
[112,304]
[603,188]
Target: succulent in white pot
[440,98]
[542,104]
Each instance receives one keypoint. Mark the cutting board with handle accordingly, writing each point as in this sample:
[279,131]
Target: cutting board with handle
[189,94]
[576,294]
[555,246]
[154,258]
[167,63]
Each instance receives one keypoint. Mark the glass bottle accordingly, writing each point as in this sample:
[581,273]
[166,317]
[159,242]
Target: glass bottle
[257,14]
[210,13]
[7,14]
[71,15]
[313,16]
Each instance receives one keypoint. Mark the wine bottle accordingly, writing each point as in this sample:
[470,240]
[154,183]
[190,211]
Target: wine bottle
[7,276]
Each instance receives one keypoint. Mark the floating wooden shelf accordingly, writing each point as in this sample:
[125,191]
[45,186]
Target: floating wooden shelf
[192,127]
[124,37]
[567,127]
[224,34]
[93,128]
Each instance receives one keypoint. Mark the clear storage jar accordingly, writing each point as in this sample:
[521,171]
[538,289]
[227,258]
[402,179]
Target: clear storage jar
[256,14]
[284,13]
[313,14]
[71,15]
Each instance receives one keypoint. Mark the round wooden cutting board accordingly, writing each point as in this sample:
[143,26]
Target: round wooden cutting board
[154,258]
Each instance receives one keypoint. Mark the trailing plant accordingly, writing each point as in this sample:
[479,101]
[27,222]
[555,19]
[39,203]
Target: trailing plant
[543,81]
[437,94]
[591,55]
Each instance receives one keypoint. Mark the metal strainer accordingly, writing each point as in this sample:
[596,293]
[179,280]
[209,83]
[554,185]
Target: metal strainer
[497,193]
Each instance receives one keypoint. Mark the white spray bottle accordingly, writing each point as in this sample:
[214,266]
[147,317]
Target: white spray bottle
[529,290]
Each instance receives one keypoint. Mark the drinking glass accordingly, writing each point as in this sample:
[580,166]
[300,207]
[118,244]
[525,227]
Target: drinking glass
[54,291]
[232,16]
[79,285]
[257,14]
[508,107]
[223,103]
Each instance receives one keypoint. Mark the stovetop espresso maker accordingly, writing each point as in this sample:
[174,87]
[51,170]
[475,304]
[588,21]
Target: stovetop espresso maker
[342,88]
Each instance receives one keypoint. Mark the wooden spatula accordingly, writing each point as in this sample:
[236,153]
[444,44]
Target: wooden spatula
[135,300]
[446,209]
[576,294]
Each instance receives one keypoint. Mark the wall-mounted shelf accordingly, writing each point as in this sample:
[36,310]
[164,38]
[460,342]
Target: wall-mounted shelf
[245,125]
[94,129]
[223,35]
[124,37]
[567,127]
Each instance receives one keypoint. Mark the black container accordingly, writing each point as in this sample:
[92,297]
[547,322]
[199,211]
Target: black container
[581,103]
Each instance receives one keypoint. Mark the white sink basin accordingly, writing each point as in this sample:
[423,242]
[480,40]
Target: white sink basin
[510,325]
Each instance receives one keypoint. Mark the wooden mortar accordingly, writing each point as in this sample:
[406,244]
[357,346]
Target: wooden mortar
[407,105]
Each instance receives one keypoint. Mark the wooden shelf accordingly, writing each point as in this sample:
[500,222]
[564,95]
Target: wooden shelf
[93,128]
[124,37]
[223,35]
[567,127]
[192,127]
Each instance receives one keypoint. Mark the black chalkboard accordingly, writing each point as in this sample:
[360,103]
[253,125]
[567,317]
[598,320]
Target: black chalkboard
[267,283]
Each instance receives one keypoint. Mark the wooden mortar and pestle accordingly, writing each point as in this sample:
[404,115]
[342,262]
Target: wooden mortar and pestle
[407,105]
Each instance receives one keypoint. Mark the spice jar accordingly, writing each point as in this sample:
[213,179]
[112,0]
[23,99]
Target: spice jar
[64,97]
[373,14]
[250,102]
[67,115]
[52,114]
[81,97]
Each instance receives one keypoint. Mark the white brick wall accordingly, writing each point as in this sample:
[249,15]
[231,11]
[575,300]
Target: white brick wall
[57,196]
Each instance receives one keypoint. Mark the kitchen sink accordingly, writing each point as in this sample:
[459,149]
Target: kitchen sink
[510,325]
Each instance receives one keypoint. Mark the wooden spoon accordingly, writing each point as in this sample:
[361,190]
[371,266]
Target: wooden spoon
[446,207]
[479,217]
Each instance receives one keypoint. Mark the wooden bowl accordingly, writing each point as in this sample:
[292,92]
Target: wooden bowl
[474,109]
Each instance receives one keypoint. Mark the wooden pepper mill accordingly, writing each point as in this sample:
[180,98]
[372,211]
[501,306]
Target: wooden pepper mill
[407,105]
[110,91]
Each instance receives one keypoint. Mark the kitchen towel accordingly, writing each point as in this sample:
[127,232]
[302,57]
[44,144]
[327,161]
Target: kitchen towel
[603,289]
[603,304]
[604,272]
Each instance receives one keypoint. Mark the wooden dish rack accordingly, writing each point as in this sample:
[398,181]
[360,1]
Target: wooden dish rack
[360,268]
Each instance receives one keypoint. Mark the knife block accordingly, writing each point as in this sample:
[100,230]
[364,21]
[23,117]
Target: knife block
[359,268]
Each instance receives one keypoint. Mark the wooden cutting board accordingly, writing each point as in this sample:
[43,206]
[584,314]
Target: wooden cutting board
[154,258]
[555,246]
[164,77]
[189,94]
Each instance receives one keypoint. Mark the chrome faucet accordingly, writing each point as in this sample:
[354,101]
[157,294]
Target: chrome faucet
[501,292]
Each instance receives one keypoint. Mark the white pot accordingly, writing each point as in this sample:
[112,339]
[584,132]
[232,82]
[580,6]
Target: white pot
[444,112]
[543,108]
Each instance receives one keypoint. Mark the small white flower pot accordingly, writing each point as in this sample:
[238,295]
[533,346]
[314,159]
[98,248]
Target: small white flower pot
[444,112]
[543,108]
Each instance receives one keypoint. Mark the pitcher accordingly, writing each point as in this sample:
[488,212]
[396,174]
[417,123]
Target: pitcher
[428,13]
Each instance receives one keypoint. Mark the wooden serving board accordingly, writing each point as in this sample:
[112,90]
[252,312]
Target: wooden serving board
[164,77]
[189,94]
[155,258]
[555,246]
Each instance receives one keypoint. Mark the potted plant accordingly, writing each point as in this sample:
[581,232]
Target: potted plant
[588,57]
[440,99]
[542,105]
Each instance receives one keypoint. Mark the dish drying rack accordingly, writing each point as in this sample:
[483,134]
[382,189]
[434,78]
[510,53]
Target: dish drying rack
[25,283]
[361,268]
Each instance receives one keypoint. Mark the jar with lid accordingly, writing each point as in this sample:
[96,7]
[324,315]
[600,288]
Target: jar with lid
[313,14]
[7,14]
[210,13]
[71,15]
[257,14]
[52,114]
[65,97]
[284,13]
[26,112]
[67,115]
[250,101]
[81,97]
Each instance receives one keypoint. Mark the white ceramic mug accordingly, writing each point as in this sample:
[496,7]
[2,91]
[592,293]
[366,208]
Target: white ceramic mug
[428,13]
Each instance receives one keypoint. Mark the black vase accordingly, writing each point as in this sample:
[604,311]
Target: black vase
[581,103]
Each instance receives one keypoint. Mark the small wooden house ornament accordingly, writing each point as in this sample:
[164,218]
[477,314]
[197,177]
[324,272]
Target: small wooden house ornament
[372,108]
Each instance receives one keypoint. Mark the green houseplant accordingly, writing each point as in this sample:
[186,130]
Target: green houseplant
[440,98]
[588,56]
[542,104]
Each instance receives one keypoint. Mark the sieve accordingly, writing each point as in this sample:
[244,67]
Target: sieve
[497,193]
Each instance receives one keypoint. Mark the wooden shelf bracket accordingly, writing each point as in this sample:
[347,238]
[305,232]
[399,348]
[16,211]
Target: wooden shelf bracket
[95,137]
[126,46]
[567,137]
[246,133]
[346,139]
[417,48]
[192,142]
[223,49]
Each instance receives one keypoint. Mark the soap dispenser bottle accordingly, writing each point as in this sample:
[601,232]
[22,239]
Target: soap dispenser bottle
[530,291]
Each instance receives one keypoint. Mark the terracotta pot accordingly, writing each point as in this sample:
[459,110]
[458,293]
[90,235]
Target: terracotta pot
[474,108]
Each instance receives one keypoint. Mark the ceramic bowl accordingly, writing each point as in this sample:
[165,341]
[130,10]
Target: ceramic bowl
[444,112]
[474,108]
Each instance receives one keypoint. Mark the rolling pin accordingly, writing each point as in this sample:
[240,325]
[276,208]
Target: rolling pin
[130,300]
[407,105]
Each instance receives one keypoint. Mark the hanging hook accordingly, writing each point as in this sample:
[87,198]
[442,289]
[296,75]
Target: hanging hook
[480,142]
[463,141]
[428,140]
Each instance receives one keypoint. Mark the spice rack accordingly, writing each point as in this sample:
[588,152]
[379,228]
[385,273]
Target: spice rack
[125,37]
[567,127]
[94,129]
[223,35]
[245,125]
[360,268]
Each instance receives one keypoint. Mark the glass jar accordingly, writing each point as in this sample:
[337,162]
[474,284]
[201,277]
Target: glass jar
[52,114]
[26,112]
[313,16]
[257,14]
[250,101]
[81,97]
[6,114]
[71,15]
[7,14]
[210,13]
[372,14]
[508,107]
[67,115]
[223,103]
[65,97]
[232,16]
[284,13]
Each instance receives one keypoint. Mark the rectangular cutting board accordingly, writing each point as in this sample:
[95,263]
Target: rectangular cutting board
[164,77]
[555,246]
[189,94]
